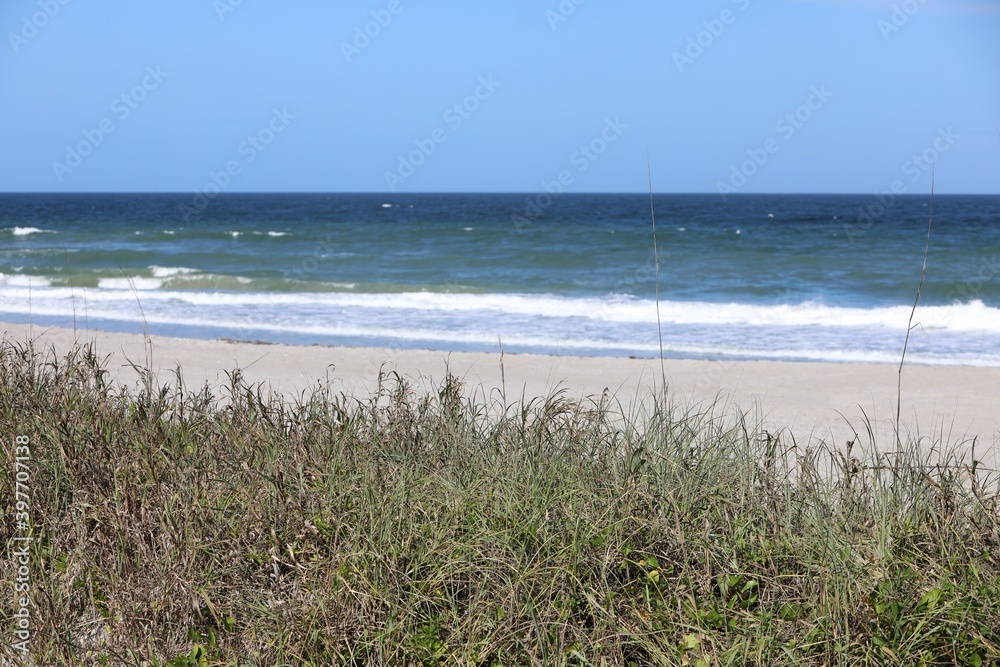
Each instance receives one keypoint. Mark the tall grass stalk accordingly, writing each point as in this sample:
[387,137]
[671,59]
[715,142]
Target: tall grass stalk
[656,262]
[910,325]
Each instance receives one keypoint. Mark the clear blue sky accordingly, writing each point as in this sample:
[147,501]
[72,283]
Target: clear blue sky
[329,111]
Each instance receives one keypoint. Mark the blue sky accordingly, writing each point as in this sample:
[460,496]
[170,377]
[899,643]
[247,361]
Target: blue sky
[797,96]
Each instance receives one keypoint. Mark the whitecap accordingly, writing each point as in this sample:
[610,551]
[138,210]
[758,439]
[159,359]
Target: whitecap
[24,231]
[23,281]
[169,271]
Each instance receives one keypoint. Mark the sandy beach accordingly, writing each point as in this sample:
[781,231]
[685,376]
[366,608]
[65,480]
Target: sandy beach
[810,400]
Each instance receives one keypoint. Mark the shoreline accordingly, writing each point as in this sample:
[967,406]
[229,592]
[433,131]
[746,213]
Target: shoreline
[810,400]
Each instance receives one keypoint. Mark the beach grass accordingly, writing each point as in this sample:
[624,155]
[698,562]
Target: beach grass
[177,527]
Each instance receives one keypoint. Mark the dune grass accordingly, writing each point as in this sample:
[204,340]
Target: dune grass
[447,528]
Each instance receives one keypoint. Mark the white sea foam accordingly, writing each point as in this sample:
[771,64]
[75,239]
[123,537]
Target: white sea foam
[16,280]
[973,316]
[169,271]
[25,231]
[277,233]
[554,341]
[128,283]
[956,334]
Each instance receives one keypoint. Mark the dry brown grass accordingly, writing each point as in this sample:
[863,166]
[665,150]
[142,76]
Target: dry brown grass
[414,529]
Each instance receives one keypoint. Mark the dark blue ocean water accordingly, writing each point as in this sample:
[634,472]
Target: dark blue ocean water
[758,276]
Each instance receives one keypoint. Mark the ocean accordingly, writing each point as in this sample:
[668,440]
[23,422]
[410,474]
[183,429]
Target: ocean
[789,277]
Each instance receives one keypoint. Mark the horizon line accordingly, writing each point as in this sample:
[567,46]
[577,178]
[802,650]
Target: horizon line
[494,192]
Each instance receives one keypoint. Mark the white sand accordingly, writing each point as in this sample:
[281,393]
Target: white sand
[809,400]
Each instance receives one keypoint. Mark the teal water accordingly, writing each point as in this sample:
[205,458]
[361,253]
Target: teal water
[827,278]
